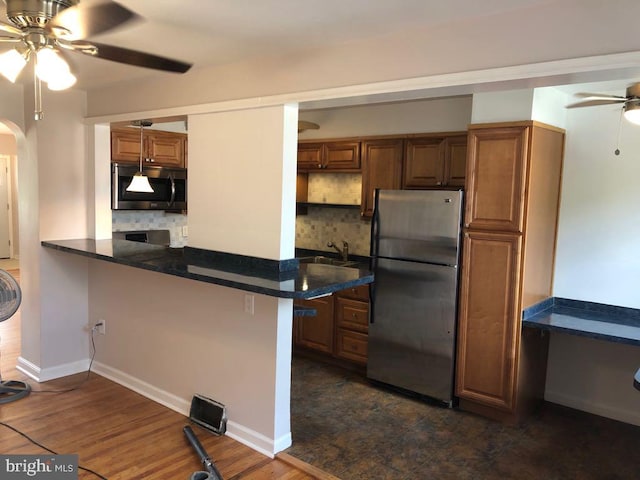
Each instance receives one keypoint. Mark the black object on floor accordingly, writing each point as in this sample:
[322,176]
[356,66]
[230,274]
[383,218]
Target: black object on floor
[212,472]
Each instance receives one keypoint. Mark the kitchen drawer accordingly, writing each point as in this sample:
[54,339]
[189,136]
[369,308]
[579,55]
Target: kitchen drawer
[351,346]
[357,293]
[352,314]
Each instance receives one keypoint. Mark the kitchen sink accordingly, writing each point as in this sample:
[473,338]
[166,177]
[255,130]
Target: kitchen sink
[336,262]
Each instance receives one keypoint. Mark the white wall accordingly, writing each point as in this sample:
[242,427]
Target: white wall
[597,260]
[242,168]
[433,115]
[53,205]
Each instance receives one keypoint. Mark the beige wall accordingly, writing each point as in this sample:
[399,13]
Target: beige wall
[169,338]
[9,147]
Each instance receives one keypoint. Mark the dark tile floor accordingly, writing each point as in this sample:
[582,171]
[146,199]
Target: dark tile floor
[353,430]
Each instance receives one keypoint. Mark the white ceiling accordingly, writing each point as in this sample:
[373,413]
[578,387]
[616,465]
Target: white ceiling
[215,32]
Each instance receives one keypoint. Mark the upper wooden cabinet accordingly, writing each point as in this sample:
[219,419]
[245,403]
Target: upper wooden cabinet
[495,178]
[381,168]
[513,191]
[159,148]
[435,161]
[320,156]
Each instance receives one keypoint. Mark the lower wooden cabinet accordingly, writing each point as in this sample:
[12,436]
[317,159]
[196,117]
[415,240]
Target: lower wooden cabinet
[489,326]
[340,327]
[316,332]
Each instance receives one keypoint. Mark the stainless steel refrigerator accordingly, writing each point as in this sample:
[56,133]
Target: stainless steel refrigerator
[415,250]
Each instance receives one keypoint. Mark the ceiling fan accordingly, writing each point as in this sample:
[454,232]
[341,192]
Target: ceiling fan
[631,102]
[46,30]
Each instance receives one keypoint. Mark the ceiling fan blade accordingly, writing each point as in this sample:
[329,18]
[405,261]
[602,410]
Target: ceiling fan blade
[133,57]
[598,96]
[596,101]
[5,27]
[5,39]
[82,21]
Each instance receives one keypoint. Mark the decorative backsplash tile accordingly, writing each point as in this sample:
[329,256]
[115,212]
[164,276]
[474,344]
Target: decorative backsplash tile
[151,220]
[322,225]
[342,188]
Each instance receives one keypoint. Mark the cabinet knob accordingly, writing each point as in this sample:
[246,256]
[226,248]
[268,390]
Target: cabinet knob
[438,183]
[319,165]
[354,315]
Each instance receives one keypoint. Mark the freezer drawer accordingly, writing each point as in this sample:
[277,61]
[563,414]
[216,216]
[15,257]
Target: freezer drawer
[412,329]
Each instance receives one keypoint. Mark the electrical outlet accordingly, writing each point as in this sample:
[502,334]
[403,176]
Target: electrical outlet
[249,304]
[101,326]
[185,231]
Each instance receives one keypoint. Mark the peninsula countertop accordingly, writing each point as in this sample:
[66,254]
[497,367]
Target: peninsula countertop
[306,280]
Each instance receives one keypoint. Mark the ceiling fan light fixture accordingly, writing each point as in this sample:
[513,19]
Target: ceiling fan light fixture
[50,66]
[11,64]
[62,82]
[632,111]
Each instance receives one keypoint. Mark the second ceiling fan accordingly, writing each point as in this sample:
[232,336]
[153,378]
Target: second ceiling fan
[630,102]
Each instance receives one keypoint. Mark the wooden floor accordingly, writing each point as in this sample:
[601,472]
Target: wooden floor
[118,433]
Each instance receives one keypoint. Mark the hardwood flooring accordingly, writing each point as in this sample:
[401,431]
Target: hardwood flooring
[119,433]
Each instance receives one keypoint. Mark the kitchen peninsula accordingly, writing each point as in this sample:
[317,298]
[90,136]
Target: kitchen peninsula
[283,279]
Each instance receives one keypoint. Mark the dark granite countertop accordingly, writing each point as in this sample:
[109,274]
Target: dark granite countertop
[588,319]
[244,273]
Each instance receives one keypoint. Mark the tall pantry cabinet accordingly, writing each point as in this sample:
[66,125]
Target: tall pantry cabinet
[513,189]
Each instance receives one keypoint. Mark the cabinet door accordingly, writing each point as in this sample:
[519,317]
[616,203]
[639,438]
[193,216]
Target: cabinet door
[381,168]
[317,332]
[489,320]
[341,155]
[423,163]
[496,176]
[309,156]
[455,161]
[165,149]
[125,145]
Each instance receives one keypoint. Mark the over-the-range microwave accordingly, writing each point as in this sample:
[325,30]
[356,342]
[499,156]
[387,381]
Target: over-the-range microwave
[169,188]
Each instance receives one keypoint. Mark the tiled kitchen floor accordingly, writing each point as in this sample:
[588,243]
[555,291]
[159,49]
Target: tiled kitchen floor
[345,426]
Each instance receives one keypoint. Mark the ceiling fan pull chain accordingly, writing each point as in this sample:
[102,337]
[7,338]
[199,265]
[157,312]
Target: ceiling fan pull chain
[37,92]
[617,150]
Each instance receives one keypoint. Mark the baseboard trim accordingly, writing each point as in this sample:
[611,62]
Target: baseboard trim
[158,395]
[621,415]
[242,434]
[45,374]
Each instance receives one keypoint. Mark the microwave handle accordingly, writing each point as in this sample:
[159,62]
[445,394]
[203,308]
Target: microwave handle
[173,190]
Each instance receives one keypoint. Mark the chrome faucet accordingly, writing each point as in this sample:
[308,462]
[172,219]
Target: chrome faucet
[344,252]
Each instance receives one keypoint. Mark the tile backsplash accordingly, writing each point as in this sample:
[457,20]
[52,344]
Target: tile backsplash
[335,188]
[151,220]
[323,224]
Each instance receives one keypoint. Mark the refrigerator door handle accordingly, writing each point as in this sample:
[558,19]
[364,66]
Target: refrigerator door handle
[375,227]
[372,291]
